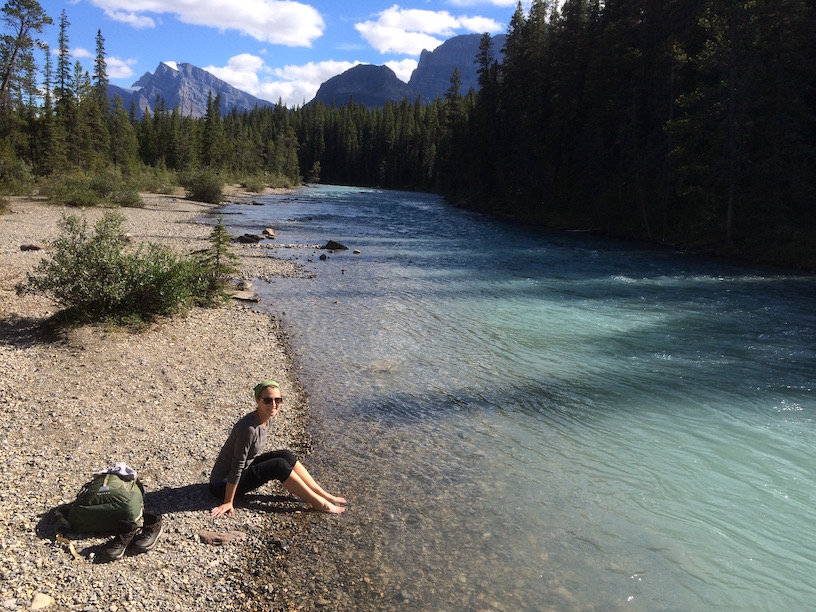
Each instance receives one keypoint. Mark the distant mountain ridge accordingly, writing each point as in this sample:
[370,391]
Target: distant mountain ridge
[431,78]
[364,84]
[374,85]
[187,87]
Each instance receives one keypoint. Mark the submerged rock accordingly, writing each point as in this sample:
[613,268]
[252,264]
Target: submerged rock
[331,245]
[249,239]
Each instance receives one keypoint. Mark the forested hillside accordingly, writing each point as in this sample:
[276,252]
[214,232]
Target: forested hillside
[683,122]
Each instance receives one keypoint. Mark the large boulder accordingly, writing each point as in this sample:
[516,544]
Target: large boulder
[249,239]
[331,245]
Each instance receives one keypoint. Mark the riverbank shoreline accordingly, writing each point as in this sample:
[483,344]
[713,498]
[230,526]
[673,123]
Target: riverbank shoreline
[162,400]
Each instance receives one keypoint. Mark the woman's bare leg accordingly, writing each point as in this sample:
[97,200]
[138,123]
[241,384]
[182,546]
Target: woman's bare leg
[301,471]
[295,485]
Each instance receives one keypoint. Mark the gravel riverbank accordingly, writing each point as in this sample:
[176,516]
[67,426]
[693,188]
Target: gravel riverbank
[163,401]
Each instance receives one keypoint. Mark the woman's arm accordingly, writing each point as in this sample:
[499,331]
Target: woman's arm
[229,497]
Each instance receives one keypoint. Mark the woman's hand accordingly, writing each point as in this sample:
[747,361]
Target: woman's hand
[225,508]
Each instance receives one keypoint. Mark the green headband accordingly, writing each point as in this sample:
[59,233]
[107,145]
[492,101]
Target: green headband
[263,385]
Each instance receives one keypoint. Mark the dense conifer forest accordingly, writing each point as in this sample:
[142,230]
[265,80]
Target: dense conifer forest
[683,122]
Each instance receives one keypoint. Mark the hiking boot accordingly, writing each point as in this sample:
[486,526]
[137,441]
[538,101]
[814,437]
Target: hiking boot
[149,535]
[116,547]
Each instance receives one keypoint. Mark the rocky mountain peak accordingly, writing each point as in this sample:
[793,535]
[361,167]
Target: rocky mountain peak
[431,78]
[187,87]
[365,84]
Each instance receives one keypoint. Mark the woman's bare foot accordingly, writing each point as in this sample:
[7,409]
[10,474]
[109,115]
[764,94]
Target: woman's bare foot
[336,500]
[329,508]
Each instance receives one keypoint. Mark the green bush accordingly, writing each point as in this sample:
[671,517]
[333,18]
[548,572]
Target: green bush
[154,180]
[71,190]
[104,183]
[204,186]
[15,175]
[254,184]
[93,278]
[127,195]
[279,181]
[160,281]
[104,187]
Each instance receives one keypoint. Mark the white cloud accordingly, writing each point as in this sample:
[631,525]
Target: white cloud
[418,20]
[115,67]
[403,69]
[394,40]
[283,22]
[512,3]
[139,22]
[241,71]
[480,24]
[409,31]
[119,68]
[294,85]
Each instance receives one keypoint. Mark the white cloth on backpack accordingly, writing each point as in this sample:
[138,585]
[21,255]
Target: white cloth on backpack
[122,470]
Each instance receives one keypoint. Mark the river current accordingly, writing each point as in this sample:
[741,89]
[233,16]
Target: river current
[531,420]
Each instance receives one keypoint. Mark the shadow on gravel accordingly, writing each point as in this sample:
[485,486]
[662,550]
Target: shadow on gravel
[25,332]
[189,498]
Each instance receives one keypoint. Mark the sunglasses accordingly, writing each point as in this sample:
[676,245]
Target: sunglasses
[268,400]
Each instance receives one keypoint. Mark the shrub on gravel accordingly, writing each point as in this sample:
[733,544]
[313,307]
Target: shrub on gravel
[104,187]
[204,186]
[94,278]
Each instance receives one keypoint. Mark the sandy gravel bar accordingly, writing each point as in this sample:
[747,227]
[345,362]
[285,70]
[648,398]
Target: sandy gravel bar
[161,400]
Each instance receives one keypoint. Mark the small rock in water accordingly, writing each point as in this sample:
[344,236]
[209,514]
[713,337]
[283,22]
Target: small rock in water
[333,245]
[404,596]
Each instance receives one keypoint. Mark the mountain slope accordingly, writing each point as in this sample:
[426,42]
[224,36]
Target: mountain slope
[365,84]
[373,85]
[186,87]
[431,78]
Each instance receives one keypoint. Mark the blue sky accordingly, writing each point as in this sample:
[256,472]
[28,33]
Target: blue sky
[273,49]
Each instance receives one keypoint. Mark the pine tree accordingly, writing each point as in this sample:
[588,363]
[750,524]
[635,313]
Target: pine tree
[21,19]
[100,74]
[123,143]
[217,262]
[64,92]
[96,109]
[212,138]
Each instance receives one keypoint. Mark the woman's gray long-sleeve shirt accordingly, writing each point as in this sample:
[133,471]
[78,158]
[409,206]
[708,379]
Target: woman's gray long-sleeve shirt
[245,442]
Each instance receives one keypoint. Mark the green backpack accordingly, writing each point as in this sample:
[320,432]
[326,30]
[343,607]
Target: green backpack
[106,500]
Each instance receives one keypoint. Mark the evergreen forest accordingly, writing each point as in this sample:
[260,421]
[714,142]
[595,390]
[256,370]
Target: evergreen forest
[690,123]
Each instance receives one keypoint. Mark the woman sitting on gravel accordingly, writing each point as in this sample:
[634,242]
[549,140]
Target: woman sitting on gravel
[240,468]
